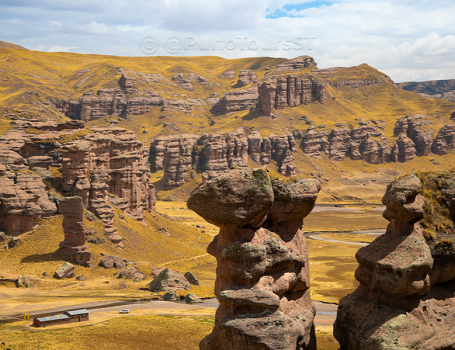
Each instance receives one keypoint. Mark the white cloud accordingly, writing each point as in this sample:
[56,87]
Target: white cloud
[409,40]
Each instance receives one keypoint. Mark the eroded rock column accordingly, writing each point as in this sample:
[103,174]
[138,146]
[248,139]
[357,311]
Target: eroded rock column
[262,280]
[73,247]
[407,276]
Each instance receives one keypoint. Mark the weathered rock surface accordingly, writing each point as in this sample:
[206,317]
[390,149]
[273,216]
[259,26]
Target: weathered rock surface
[65,271]
[216,153]
[282,91]
[169,280]
[262,278]
[107,102]
[73,247]
[110,261]
[186,80]
[246,77]
[132,273]
[406,295]
[111,160]
[191,278]
[192,298]
[171,295]
[237,100]
[445,140]
[23,201]
[296,64]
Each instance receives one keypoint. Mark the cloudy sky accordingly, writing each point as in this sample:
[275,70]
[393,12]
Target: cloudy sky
[410,40]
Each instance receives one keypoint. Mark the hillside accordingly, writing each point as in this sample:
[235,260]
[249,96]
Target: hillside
[346,126]
[433,88]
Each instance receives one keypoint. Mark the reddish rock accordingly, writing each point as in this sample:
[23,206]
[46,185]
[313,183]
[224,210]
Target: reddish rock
[282,91]
[339,142]
[417,128]
[262,280]
[169,280]
[404,150]
[73,247]
[406,295]
[445,140]
[65,271]
[246,77]
[236,100]
[110,261]
[23,201]
[186,80]
[296,64]
[314,142]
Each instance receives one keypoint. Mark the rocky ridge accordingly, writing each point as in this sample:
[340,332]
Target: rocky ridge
[262,280]
[216,153]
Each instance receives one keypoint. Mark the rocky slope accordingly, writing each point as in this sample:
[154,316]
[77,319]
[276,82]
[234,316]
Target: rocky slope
[215,153]
[432,89]
[406,295]
[100,165]
[262,280]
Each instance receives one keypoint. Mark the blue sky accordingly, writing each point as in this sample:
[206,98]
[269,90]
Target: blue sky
[410,40]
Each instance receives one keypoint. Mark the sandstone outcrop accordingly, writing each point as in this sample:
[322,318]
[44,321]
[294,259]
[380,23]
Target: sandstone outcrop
[315,142]
[111,160]
[262,280]
[73,247]
[445,140]
[191,278]
[416,128]
[246,77]
[236,100]
[169,280]
[111,261]
[107,102]
[186,80]
[407,281]
[23,201]
[296,64]
[216,153]
[65,271]
[282,91]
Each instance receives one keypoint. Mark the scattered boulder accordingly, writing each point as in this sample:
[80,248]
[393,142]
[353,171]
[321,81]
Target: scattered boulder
[169,280]
[110,261]
[80,277]
[133,273]
[65,271]
[191,278]
[192,298]
[14,242]
[171,295]
[23,281]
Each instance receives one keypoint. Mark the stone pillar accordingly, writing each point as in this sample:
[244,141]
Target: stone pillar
[262,280]
[73,247]
[407,276]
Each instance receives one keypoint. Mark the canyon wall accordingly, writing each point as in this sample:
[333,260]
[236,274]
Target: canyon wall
[262,280]
[214,154]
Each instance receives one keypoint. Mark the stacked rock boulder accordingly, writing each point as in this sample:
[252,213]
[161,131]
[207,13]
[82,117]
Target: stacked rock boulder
[262,280]
[73,247]
[407,276]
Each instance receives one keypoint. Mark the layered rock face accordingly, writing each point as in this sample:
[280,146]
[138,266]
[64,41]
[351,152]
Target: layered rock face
[364,142]
[23,201]
[216,153]
[73,247]
[445,140]
[107,102]
[262,280]
[186,80]
[246,77]
[283,91]
[111,160]
[236,100]
[407,278]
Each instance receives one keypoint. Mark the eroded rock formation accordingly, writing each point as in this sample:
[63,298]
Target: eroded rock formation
[282,91]
[23,201]
[216,153]
[73,247]
[109,161]
[107,102]
[407,278]
[262,280]
[236,100]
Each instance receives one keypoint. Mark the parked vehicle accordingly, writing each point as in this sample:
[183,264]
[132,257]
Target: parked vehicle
[124,311]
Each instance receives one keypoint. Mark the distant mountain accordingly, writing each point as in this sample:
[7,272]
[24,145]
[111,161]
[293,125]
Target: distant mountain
[432,88]
[11,46]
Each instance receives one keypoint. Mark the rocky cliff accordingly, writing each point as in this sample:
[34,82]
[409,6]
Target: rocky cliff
[214,154]
[109,161]
[407,278]
[262,280]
